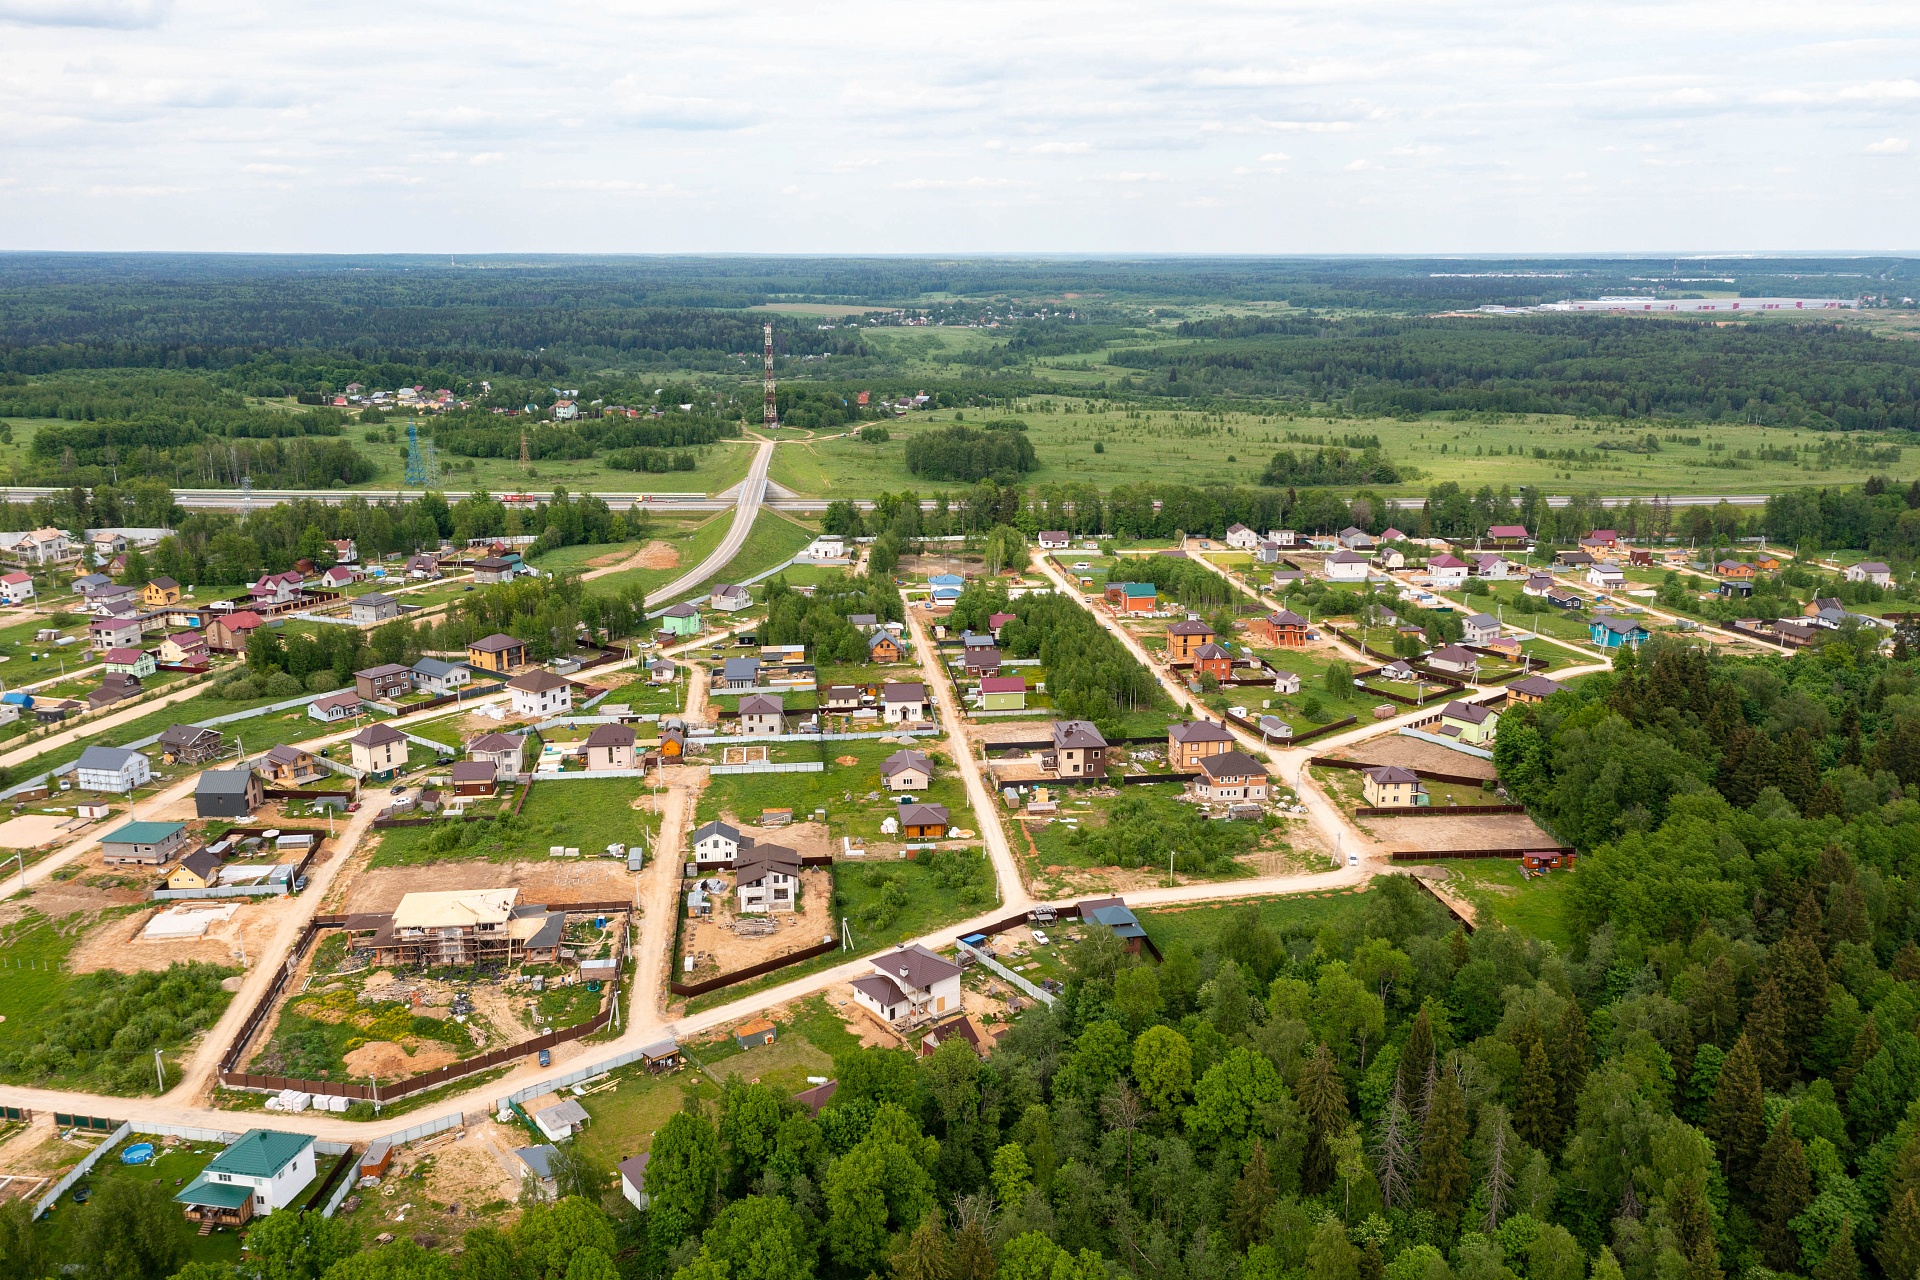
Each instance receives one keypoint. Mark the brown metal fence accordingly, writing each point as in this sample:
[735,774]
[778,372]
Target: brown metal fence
[752,971]
[1330,762]
[1438,810]
[1437,855]
[1321,732]
[414,1084]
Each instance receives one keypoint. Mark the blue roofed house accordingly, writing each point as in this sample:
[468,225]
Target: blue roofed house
[1114,916]
[263,1171]
[946,587]
[1610,632]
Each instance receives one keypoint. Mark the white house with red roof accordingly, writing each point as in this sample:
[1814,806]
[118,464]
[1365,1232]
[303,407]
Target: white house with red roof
[16,588]
[275,588]
[1446,571]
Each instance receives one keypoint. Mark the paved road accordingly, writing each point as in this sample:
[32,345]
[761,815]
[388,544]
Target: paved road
[752,493]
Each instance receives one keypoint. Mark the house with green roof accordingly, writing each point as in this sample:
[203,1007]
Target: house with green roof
[263,1171]
[153,844]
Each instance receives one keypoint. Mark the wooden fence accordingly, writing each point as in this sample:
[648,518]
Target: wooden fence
[1330,762]
[1439,810]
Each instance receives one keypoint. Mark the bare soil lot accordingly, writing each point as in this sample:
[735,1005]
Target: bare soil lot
[556,880]
[117,944]
[1489,831]
[718,949]
[1411,753]
[32,830]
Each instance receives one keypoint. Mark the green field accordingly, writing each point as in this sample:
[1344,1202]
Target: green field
[585,814]
[1177,445]
[720,465]
[1532,906]
[1299,914]
[841,790]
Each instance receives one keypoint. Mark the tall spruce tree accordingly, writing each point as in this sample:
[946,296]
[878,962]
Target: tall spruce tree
[1536,1114]
[1692,1224]
[1395,1156]
[1323,1100]
[1783,1186]
[1866,1043]
[1767,1035]
[1843,1260]
[1443,1178]
[1416,1057]
[1899,1247]
[1248,1202]
[1737,1115]
[1571,1054]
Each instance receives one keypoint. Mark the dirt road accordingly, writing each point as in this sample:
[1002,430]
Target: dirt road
[986,808]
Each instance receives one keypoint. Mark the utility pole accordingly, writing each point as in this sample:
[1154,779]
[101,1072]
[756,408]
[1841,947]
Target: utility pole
[160,1070]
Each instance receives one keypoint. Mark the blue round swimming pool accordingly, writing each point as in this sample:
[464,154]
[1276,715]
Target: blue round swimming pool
[138,1153]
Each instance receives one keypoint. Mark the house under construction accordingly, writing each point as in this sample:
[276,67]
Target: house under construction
[461,927]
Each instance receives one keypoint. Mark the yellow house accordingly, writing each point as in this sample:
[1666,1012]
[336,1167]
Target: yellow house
[1388,786]
[160,593]
[198,870]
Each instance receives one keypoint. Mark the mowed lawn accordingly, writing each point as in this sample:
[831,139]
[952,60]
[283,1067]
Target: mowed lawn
[586,814]
[1533,906]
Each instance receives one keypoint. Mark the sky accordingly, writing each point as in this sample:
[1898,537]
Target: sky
[990,126]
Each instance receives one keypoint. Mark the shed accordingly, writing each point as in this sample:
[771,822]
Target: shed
[758,1031]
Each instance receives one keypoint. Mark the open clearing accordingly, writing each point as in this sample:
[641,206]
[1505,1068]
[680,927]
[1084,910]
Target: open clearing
[1485,831]
[1412,753]
[32,830]
[555,880]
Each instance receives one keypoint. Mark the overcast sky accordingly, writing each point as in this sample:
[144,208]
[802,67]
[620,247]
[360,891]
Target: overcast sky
[932,126]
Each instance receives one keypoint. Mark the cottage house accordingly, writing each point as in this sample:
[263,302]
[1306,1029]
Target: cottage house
[979,662]
[275,588]
[540,693]
[491,570]
[1469,722]
[114,633]
[1054,540]
[1191,741]
[767,878]
[112,688]
[228,633]
[1606,577]
[1185,636]
[116,769]
[1231,776]
[1533,689]
[716,844]
[504,751]
[1573,559]
[1610,632]
[1354,539]
[737,675]
[1078,750]
[1388,786]
[1003,693]
[1454,660]
[150,844]
[263,1171]
[909,986]
[198,870]
[1446,571]
[882,646]
[338,578]
[184,649]
[335,706]
[1282,629]
[1480,628]
[906,771]
[680,620]
[130,662]
[497,653]
[440,677]
[379,751]
[904,703]
[160,593]
[388,680]
[422,568]
[924,821]
[730,597]
[763,714]
[373,607]
[287,766]
[1346,566]
[611,746]
[16,588]
[1873,571]
[1509,535]
[841,697]
[1212,660]
[1241,538]
[1537,585]
[661,671]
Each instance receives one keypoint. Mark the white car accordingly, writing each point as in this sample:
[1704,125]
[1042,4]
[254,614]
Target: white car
[1082,564]
[1040,937]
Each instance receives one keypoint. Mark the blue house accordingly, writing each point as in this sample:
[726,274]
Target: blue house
[1610,632]
[946,587]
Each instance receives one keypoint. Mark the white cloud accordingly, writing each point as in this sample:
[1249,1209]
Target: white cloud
[994,109]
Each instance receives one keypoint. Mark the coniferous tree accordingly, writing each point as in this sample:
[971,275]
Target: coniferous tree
[1323,1100]
[927,1254]
[1714,1004]
[972,1241]
[1394,1153]
[1866,1043]
[1498,1184]
[1802,975]
[1692,1225]
[1416,1057]
[1737,1116]
[1899,1248]
[1571,1055]
[1906,962]
[1250,1199]
[1767,1035]
[1443,1149]
[1537,1110]
[1783,1186]
[1842,1261]
[1373,1264]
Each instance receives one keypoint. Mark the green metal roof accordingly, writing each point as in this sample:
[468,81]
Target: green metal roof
[142,833]
[215,1195]
[260,1153]
[1139,590]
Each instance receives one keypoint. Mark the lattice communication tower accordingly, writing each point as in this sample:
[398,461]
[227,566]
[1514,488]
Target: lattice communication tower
[770,415]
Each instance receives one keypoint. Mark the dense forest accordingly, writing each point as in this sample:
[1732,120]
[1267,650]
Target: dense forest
[998,449]
[1090,675]
[1820,376]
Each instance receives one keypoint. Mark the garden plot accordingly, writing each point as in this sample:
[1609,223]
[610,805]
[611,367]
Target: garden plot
[725,941]
[1471,831]
[1108,838]
[1413,753]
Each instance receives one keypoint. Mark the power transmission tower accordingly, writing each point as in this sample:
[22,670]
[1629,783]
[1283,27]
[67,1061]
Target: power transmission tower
[416,461]
[770,415]
[526,454]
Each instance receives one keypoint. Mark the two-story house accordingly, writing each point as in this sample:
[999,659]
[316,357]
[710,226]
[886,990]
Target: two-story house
[379,751]
[611,746]
[1231,777]
[1469,722]
[716,845]
[1388,786]
[767,878]
[909,986]
[1078,750]
[763,714]
[1191,741]
[504,751]
[388,680]
[265,1170]
[1186,636]
[540,693]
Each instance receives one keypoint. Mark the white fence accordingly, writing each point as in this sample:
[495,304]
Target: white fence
[767,766]
[277,889]
[986,958]
[580,775]
[1448,743]
[81,1170]
[553,1084]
